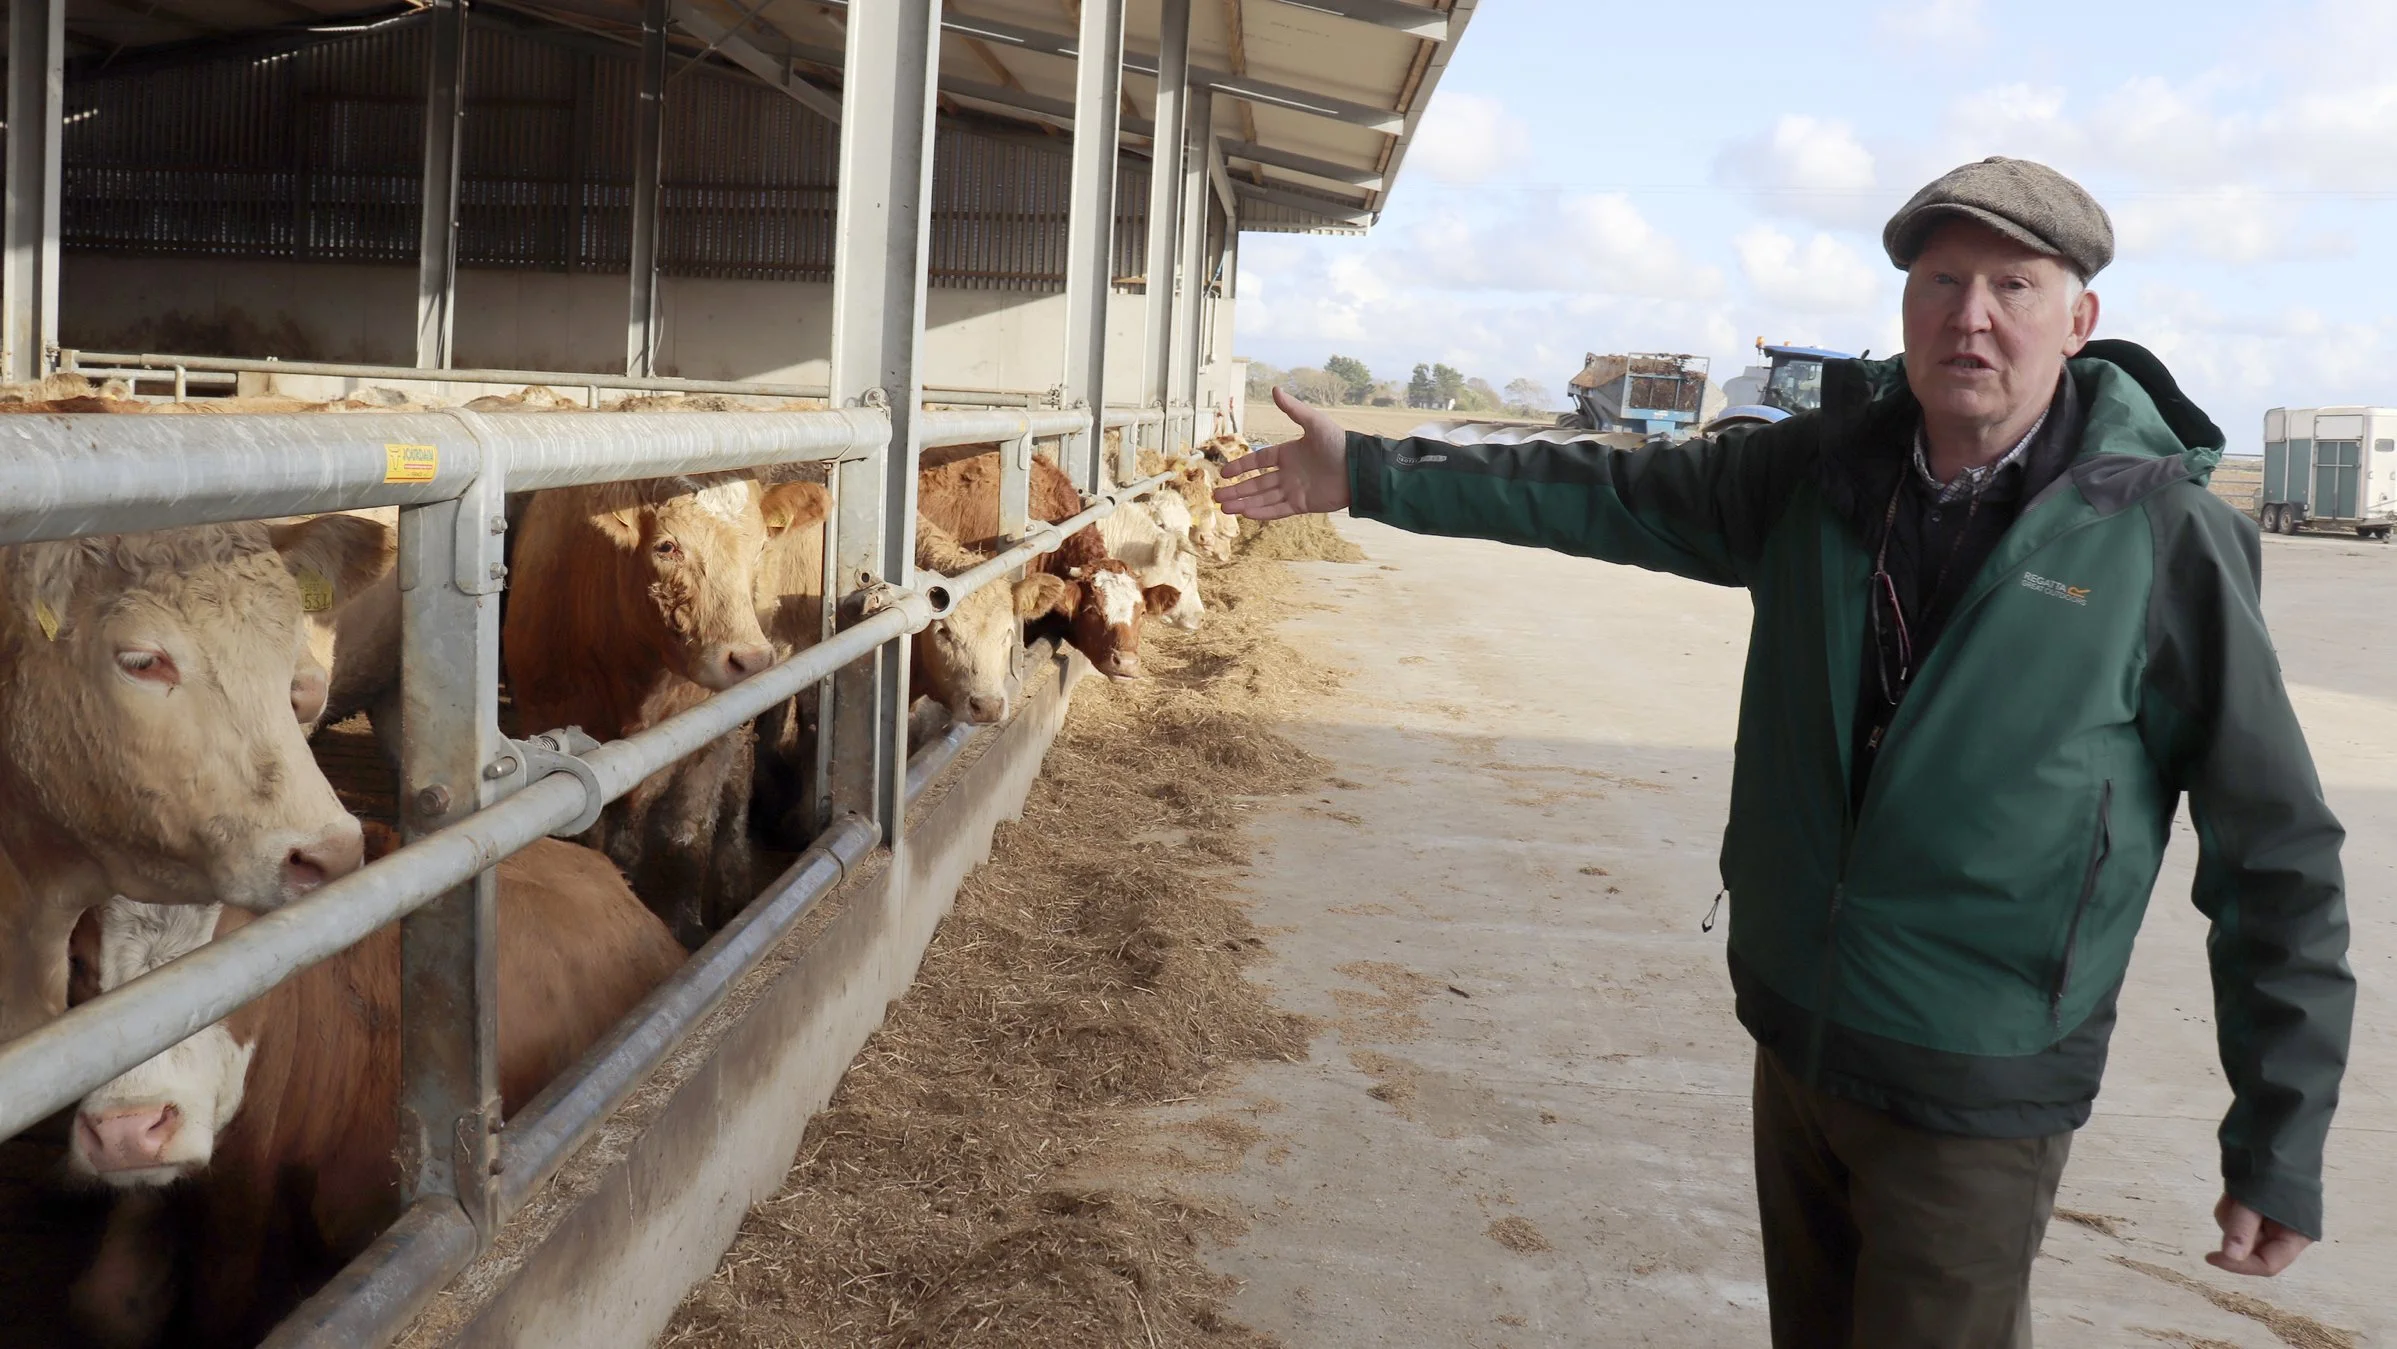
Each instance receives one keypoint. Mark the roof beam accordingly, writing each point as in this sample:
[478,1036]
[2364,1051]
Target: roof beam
[1145,63]
[775,72]
[1397,15]
[1349,174]
[1026,101]
[1336,212]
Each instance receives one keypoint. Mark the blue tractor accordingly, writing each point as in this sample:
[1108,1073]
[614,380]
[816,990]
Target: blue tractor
[1791,382]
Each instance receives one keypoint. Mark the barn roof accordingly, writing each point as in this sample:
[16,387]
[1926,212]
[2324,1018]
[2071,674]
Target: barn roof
[1315,102]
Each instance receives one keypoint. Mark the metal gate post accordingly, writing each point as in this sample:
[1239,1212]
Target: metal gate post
[437,228]
[36,91]
[1090,230]
[649,134]
[450,754]
[1191,292]
[1015,478]
[1165,218]
[883,229]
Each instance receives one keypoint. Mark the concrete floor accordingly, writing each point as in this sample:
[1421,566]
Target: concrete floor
[1527,1123]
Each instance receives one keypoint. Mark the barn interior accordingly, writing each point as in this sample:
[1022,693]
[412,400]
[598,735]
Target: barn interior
[646,189]
[314,198]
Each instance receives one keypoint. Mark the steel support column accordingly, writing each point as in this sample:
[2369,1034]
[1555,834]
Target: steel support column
[1165,216]
[878,281]
[437,229]
[649,135]
[450,579]
[1090,228]
[36,91]
[1198,142]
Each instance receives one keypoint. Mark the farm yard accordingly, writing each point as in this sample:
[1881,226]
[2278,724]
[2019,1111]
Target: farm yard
[639,706]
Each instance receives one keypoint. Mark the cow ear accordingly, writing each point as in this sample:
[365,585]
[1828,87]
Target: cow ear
[616,511]
[334,557]
[1040,593]
[795,505]
[1161,598]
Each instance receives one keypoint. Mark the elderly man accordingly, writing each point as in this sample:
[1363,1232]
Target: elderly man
[2001,627]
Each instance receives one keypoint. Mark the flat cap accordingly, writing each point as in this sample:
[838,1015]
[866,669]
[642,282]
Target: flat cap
[2025,201]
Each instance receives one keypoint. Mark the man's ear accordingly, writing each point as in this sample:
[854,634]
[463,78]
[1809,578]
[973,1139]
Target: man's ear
[2084,322]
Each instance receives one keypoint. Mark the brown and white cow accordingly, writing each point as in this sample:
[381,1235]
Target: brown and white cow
[283,1116]
[631,602]
[152,690]
[962,497]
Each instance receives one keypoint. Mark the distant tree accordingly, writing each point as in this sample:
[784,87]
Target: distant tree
[1318,387]
[1422,391]
[1262,377]
[1478,396]
[1449,384]
[1352,373]
[1388,394]
[1526,397]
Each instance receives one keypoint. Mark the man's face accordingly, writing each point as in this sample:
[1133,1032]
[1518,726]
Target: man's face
[1989,324]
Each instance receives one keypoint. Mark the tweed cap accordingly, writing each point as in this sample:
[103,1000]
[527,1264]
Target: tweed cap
[2027,202]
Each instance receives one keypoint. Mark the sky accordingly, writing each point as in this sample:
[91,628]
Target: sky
[1600,176]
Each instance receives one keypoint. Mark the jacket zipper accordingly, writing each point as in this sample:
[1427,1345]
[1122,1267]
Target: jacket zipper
[2099,851]
[1855,813]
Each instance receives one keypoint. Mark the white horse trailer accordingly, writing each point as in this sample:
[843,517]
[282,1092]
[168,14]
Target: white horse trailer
[2330,467]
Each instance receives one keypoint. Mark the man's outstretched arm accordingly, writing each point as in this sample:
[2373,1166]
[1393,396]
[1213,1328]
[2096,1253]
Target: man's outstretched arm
[1701,508]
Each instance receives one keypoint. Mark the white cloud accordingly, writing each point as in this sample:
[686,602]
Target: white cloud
[1469,138]
[1821,275]
[1810,167]
[1933,23]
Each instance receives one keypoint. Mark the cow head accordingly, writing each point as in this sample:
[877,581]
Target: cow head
[152,688]
[159,1120]
[968,658]
[688,549]
[1106,604]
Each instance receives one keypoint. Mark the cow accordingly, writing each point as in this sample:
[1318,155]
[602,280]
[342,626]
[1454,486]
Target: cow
[967,659]
[1152,537]
[631,602]
[282,1118]
[152,693]
[962,497]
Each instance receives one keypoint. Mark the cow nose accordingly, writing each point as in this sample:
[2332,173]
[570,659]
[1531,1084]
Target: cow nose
[308,695]
[983,709]
[337,852]
[740,662]
[1120,665]
[127,1139]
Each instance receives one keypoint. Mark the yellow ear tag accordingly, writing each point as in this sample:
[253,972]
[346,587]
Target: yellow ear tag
[48,618]
[316,593]
[779,520]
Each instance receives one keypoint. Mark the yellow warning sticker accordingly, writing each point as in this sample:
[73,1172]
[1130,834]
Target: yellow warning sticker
[48,618]
[316,593]
[411,463]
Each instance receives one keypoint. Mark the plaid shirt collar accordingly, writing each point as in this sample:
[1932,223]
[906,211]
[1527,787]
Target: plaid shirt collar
[1972,481]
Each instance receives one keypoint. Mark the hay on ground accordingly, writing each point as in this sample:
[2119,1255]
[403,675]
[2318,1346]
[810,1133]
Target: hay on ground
[975,1181]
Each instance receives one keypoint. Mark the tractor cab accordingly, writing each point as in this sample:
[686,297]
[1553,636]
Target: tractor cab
[1790,382]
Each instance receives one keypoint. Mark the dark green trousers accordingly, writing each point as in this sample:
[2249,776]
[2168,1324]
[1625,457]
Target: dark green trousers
[1879,1235]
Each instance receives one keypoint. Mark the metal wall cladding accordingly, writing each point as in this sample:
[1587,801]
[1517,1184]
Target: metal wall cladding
[315,151]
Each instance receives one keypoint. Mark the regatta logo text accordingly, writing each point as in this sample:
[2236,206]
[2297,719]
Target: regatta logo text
[2032,580]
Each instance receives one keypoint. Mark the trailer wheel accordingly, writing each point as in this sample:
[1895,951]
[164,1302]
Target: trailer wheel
[2274,515]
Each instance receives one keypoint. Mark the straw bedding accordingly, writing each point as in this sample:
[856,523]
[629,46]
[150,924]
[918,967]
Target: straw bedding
[974,1182]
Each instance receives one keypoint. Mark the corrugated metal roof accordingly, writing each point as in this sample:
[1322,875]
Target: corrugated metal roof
[1316,99]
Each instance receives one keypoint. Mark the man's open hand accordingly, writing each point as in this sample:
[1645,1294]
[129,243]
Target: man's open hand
[1306,476]
[2253,1243]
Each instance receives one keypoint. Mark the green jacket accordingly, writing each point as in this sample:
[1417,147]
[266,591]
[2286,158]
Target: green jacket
[1950,950]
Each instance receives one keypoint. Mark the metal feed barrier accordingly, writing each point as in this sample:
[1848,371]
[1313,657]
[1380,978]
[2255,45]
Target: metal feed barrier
[470,796]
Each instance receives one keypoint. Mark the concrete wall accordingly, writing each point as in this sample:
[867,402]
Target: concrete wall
[766,330]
